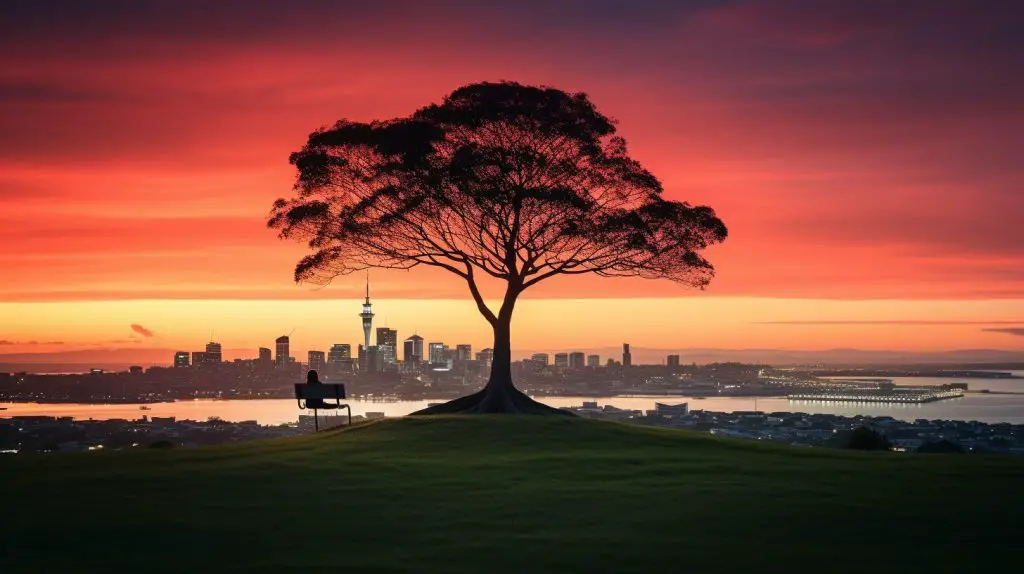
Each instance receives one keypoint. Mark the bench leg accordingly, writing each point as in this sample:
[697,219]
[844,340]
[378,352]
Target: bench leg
[316,422]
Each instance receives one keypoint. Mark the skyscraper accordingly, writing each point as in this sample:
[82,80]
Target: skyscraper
[283,343]
[339,352]
[198,358]
[213,354]
[181,359]
[266,358]
[317,361]
[463,352]
[367,314]
[413,351]
[387,344]
[562,360]
[593,360]
[541,358]
[673,362]
[436,351]
[576,360]
[627,357]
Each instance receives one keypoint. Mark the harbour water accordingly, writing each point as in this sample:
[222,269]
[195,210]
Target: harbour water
[989,408]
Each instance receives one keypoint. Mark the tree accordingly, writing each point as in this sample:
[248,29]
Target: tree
[503,181]
[941,447]
[864,438]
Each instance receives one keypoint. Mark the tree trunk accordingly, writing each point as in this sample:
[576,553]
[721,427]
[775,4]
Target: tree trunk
[499,395]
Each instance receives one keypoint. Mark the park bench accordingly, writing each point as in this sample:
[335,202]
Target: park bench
[306,392]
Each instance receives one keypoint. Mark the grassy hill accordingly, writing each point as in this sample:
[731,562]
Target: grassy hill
[508,494]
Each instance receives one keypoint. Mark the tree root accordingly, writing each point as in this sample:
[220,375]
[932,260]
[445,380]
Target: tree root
[504,400]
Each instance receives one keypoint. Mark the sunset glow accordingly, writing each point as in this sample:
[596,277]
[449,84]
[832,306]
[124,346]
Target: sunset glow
[868,169]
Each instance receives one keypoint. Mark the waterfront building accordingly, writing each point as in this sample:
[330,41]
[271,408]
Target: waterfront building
[593,360]
[265,356]
[627,357]
[562,360]
[673,362]
[666,410]
[577,360]
[463,352]
[181,359]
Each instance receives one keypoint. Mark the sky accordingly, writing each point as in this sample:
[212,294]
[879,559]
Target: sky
[864,155]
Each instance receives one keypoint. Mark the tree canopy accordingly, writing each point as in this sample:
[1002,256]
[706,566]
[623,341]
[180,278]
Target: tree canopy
[518,183]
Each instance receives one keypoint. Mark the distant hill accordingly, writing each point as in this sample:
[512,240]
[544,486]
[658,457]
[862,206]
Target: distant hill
[508,494]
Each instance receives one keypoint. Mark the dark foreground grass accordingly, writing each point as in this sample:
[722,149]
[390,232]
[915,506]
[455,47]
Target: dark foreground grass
[509,494]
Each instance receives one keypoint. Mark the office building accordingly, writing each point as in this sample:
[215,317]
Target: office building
[463,353]
[627,357]
[673,362]
[198,358]
[486,357]
[339,353]
[562,360]
[373,359]
[213,354]
[577,360]
[413,351]
[436,352]
[593,360]
[283,345]
[540,358]
[181,359]
[317,361]
[387,344]
[265,356]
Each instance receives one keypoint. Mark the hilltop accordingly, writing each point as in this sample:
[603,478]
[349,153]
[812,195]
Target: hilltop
[507,494]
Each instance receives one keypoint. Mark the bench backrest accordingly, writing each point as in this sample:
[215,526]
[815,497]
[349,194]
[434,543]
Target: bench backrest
[323,391]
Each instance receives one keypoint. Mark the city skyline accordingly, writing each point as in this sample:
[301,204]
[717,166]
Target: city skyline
[863,161]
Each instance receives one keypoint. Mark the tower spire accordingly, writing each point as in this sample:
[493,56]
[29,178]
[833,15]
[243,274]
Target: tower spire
[367,314]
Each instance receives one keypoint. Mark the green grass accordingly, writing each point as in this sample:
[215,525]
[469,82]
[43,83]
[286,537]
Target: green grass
[508,494]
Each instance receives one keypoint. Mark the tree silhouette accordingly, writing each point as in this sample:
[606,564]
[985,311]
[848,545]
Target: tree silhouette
[864,438]
[510,182]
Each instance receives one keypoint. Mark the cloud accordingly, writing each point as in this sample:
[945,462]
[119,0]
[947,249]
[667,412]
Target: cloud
[893,322]
[142,330]
[1018,331]
[6,342]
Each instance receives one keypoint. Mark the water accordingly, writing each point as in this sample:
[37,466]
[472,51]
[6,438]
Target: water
[985,408]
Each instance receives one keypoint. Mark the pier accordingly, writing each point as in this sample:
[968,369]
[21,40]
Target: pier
[893,395]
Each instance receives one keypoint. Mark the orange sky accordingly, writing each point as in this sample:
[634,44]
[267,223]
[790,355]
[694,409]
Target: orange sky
[864,155]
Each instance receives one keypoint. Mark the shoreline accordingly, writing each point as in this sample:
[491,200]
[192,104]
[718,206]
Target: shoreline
[372,399]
